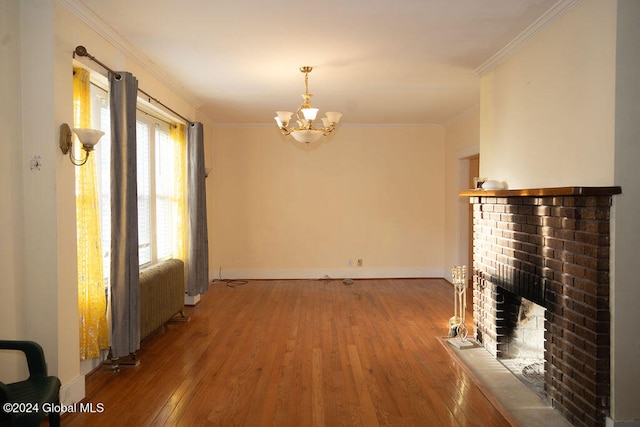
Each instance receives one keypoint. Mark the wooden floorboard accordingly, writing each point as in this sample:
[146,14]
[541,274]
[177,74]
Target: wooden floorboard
[298,353]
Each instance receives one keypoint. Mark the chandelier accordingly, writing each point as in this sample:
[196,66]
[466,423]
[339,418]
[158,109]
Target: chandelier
[305,116]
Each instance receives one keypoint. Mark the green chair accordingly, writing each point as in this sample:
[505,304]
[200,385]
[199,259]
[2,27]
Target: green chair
[38,389]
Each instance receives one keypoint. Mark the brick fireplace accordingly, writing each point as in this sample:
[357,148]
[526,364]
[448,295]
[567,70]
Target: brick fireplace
[551,247]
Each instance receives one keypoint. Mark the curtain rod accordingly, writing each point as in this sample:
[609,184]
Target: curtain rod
[82,51]
[173,125]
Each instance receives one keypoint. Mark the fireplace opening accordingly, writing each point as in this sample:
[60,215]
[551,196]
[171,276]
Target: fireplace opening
[522,347]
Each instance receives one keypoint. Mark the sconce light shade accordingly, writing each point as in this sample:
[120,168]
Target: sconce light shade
[88,138]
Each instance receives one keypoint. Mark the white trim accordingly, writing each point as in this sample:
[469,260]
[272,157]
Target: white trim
[73,391]
[389,125]
[612,423]
[345,125]
[191,300]
[339,273]
[468,151]
[87,16]
[244,125]
[88,365]
[448,276]
[462,217]
[462,209]
[462,115]
[531,32]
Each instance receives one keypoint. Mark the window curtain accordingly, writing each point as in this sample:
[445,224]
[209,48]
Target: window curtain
[197,262]
[92,303]
[124,280]
[177,134]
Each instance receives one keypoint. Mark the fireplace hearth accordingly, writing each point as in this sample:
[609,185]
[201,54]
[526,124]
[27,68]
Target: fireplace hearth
[550,247]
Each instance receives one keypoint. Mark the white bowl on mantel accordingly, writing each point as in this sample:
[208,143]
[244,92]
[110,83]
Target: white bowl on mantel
[493,185]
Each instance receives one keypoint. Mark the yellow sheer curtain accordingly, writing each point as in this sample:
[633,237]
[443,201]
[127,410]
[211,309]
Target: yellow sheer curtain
[178,137]
[92,304]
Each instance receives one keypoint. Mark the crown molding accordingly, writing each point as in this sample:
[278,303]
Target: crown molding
[94,22]
[531,32]
[341,125]
[454,119]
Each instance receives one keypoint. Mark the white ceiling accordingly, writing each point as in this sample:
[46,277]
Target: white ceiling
[376,61]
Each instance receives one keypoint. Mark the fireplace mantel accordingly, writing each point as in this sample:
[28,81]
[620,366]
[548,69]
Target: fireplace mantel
[543,192]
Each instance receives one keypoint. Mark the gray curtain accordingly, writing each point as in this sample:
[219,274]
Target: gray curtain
[124,282]
[197,256]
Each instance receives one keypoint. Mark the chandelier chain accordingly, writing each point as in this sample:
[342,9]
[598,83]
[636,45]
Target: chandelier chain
[306,82]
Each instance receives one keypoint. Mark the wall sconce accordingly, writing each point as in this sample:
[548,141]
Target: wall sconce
[88,138]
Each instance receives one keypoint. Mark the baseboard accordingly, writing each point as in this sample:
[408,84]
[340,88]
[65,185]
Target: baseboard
[351,273]
[191,300]
[612,423]
[72,391]
[88,365]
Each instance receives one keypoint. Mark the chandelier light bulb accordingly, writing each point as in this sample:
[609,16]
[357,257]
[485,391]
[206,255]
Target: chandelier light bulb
[310,113]
[284,116]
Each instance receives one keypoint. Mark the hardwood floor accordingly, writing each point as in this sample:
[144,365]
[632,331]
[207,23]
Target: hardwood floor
[298,353]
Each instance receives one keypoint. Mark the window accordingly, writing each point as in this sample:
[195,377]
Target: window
[101,119]
[166,192]
[156,175]
[156,192]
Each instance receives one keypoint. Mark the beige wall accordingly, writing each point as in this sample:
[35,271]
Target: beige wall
[12,293]
[462,142]
[563,111]
[36,282]
[287,210]
[548,111]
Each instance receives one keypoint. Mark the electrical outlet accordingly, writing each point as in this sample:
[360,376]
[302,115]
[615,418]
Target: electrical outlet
[350,262]
[359,262]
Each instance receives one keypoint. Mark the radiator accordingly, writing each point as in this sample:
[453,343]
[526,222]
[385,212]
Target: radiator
[161,294]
